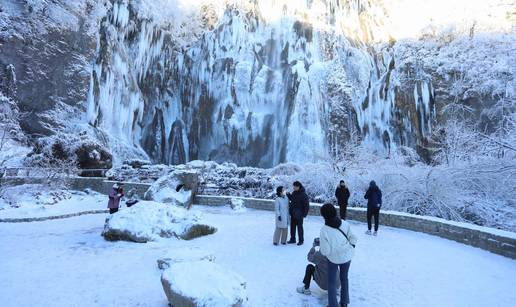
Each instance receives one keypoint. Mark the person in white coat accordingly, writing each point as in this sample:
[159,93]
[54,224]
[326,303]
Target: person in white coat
[281,214]
[338,245]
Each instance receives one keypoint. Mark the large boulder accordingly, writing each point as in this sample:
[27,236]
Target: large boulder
[178,187]
[149,221]
[184,254]
[203,284]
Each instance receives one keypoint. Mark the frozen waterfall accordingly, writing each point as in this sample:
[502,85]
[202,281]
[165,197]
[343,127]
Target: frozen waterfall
[251,89]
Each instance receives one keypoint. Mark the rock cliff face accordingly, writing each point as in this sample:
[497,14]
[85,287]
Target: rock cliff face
[50,46]
[252,82]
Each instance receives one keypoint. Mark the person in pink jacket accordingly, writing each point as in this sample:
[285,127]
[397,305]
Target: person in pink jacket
[117,192]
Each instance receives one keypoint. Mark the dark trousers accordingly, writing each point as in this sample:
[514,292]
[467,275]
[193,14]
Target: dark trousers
[332,283]
[373,212]
[299,224]
[309,274]
[343,208]
[113,210]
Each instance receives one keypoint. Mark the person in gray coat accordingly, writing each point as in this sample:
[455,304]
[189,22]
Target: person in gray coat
[281,214]
[318,271]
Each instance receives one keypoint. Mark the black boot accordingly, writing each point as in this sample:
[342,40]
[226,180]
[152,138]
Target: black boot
[300,243]
[291,241]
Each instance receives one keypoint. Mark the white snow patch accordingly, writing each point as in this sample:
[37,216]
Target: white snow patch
[38,200]
[429,271]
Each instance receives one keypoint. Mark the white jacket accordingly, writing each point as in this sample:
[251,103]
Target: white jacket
[281,209]
[334,244]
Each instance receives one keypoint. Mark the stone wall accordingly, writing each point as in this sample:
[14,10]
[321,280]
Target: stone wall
[493,240]
[102,185]
[97,184]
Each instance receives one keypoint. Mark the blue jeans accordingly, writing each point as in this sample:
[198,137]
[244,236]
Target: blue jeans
[332,288]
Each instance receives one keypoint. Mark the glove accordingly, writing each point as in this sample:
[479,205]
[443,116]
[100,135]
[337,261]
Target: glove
[279,218]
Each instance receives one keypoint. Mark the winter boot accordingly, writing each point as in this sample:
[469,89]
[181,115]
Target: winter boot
[368,232]
[300,243]
[375,233]
[303,290]
[291,241]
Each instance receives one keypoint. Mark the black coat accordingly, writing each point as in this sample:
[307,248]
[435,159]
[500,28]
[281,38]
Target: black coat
[374,197]
[342,195]
[299,204]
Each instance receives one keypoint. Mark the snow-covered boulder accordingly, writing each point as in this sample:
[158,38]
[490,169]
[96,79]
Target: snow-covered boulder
[149,221]
[203,284]
[178,187]
[185,254]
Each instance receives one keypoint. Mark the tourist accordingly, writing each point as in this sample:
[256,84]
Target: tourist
[117,192]
[318,271]
[281,210]
[298,210]
[342,195]
[338,245]
[374,203]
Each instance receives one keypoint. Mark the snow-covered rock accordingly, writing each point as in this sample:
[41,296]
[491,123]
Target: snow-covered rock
[178,187]
[184,254]
[149,221]
[203,284]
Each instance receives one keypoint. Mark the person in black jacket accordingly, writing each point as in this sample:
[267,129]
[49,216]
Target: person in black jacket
[374,203]
[298,210]
[342,195]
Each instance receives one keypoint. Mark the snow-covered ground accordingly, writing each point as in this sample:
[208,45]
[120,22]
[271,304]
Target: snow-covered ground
[35,200]
[67,263]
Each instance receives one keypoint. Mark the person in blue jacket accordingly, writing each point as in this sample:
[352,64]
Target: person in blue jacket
[298,210]
[374,203]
